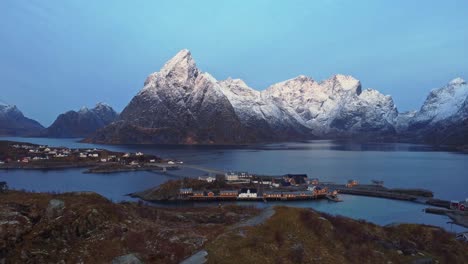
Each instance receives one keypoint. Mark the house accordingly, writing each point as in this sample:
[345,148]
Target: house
[25,160]
[238,176]
[134,163]
[2,162]
[170,162]
[152,160]
[351,183]
[103,160]
[210,194]
[460,236]
[311,188]
[230,176]
[296,179]
[198,193]
[269,194]
[83,155]
[186,191]
[228,193]
[126,155]
[314,181]
[207,178]
[139,154]
[47,150]
[462,205]
[248,193]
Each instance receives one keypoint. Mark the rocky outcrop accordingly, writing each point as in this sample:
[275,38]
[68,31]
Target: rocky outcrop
[14,123]
[82,123]
[87,228]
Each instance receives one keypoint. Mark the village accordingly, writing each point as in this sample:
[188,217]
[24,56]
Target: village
[29,156]
[249,187]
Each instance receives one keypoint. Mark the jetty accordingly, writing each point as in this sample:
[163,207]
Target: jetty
[372,190]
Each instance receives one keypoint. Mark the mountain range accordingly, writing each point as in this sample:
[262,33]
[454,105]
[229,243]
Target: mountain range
[82,123]
[180,104]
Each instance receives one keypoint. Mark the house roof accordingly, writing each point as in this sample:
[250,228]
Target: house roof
[252,190]
[296,175]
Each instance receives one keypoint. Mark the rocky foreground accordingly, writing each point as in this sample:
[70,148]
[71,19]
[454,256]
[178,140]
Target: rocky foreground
[87,228]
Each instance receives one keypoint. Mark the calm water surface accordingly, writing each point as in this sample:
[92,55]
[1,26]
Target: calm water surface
[399,165]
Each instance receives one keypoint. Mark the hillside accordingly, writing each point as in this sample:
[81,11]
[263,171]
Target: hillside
[85,227]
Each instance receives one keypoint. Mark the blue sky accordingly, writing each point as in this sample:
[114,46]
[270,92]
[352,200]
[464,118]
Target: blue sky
[61,55]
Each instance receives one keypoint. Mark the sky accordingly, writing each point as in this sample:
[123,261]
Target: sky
[59,55]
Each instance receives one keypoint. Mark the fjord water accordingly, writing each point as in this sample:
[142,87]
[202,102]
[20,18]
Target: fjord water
[399,165]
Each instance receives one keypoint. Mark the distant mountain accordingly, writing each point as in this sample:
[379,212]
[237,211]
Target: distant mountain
[82,123]
[14,123]
[443,118]
[182,105]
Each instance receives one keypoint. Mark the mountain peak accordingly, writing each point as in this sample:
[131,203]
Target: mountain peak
[457,81]
[102,105]
[344,83]
[180,69]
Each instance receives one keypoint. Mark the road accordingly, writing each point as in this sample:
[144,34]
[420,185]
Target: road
[188,166]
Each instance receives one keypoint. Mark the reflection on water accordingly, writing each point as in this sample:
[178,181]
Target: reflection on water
[399,165]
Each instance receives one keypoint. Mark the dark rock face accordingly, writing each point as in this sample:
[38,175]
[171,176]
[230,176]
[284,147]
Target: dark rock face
[14,123]
[82,123]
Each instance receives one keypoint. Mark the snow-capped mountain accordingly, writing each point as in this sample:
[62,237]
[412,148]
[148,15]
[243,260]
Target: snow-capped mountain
[14,123]
[81,123]
[182,105]
[336,106]
[443,118]
[442,104]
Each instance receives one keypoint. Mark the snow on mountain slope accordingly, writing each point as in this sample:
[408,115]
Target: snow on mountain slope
[336,105]
[13,122]
[182,104]
[253,106]
[442,103]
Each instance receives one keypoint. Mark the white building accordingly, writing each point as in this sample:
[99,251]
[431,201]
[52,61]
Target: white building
[207,179]
[139,154]
[248,193]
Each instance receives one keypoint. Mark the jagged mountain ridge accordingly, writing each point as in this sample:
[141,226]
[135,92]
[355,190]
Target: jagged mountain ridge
[14,123]
[182,105]
[82,123]
[443,117]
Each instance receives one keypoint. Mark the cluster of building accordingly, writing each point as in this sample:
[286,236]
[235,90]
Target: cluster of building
[289,186]
[253,194]
[26,153]
[274,182]
[459,205]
